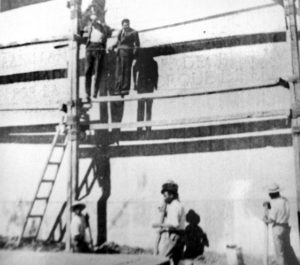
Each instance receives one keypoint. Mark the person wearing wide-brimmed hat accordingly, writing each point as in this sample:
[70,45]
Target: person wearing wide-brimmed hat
[171,228]
[278,216]
[78,228]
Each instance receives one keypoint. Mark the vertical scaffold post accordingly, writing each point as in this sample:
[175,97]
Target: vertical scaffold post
[73,76]
[290,13]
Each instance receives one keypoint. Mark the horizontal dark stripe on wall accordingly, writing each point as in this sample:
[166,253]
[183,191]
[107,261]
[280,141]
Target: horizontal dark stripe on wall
[160,50]
[10,134]
[217,43]
[33,76]
[229,144]
[210,130]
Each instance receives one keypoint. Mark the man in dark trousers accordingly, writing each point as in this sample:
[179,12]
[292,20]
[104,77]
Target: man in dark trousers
[127,44]
[96,33]
[278,216]
[145,77]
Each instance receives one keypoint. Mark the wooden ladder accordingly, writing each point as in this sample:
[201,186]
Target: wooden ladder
[40,201]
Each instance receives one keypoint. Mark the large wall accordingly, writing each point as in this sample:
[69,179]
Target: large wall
[222,168]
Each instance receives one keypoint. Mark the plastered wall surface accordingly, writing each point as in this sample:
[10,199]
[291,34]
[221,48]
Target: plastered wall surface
[231,214]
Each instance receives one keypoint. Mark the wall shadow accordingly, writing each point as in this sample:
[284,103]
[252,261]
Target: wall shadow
[195,238]
[145,76]
[103,177]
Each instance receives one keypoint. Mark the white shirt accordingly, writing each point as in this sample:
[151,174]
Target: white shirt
[280,210]
[78,226]
[96,35]
[175,215]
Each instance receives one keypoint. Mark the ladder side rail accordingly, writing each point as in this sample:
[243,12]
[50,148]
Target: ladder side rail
[50,191]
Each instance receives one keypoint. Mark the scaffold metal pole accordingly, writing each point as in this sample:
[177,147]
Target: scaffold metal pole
[290,13]
[73,76]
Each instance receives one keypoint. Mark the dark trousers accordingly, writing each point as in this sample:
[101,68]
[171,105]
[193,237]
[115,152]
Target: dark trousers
[285,254]
[93,64]
[123,73]
[142,104]
[171,246]
[80,246]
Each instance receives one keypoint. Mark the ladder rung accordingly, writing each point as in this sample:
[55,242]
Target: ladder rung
[35,216]
[42,198]
[54,163]
[48,180]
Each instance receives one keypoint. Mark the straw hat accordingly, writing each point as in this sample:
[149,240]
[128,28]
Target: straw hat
[79,206]
[274,188]
[170,185]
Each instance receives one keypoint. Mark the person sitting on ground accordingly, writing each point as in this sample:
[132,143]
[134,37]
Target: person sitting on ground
[79,225]
[195,238]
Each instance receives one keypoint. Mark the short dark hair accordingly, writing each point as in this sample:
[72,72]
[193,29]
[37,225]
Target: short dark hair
[174,193]
[274,195]
[125,20]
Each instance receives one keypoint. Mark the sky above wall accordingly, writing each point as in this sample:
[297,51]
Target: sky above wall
[51,20]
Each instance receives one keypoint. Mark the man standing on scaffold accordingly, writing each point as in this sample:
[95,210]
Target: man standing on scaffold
[96,33]
[127,44]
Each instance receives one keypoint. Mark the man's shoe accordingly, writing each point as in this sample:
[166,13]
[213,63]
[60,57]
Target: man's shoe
[124,93]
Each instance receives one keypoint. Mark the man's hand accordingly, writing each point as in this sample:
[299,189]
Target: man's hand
[266,219]
[111,48]
[78,38]
[267,205]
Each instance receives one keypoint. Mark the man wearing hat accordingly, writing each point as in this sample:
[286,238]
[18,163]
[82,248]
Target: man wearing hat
[278,216]
[171,228]
[78,226]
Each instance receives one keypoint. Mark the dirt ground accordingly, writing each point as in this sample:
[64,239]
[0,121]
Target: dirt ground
[123,252]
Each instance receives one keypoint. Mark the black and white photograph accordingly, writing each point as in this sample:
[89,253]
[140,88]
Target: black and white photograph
[149,132]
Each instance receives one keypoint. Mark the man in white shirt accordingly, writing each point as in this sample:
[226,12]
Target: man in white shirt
[172,225]
[278,216]
[79,225]
[97,33]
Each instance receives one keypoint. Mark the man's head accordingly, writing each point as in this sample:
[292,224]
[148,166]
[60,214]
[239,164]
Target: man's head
[125,23]
[93,14]
[169,191]
[274,191]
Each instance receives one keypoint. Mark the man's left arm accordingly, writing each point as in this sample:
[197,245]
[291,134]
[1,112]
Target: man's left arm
[108,31]
[137,40]
[136,43]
